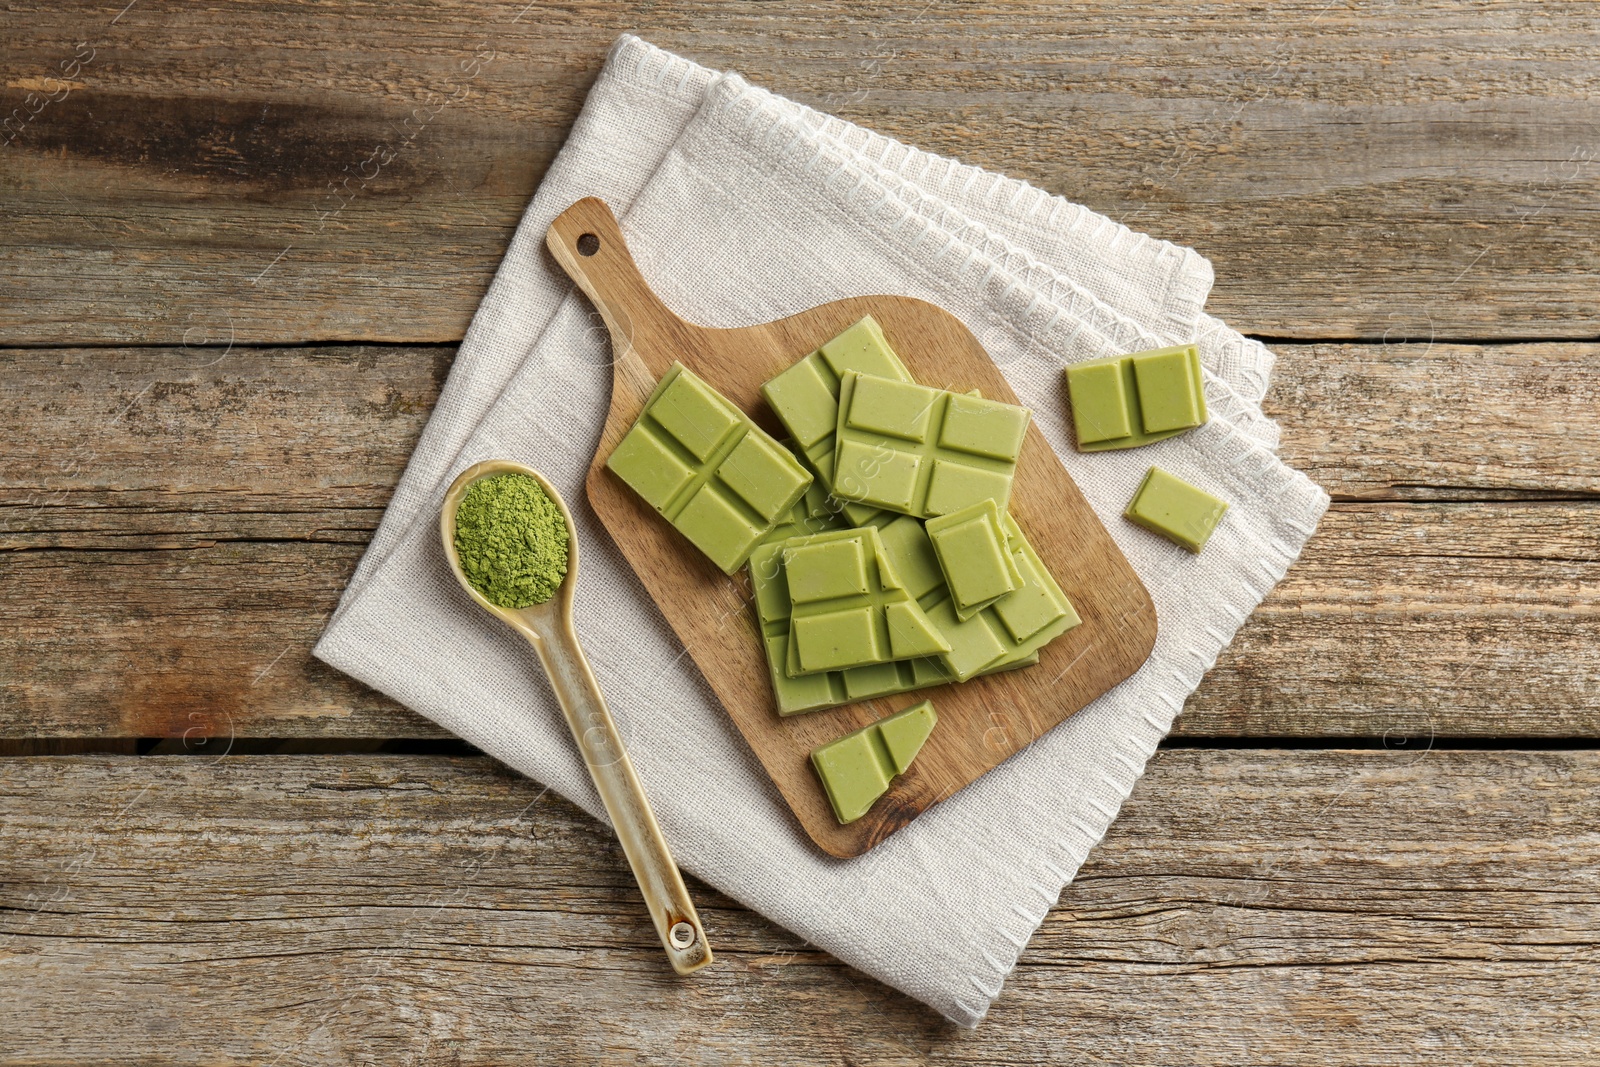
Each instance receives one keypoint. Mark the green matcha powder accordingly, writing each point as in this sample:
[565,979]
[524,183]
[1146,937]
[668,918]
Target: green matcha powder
[512,540]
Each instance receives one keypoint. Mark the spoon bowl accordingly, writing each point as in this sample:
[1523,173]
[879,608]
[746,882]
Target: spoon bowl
[536,622]
[548,628]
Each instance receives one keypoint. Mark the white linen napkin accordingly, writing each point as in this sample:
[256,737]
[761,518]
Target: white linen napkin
[742,207]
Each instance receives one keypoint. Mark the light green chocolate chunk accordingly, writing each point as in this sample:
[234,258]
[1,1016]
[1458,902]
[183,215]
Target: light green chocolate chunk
[834,640]
[930,672]
[905,732]
[876,476]
[806,396]
[855,772]
[974,643]
[717,526]
[707,469]
[1127,401]
[761,471]
[973,557]
[826,569]
[1038,604]
[1168,399]
[806,400]
[955,485]
[984,427]
[898,409]
[651,468]
[911,634]
[920,451]
[1178,511]
[1039,612]
[1099,402]
[857,768]
[809,692]
[863,348]
[841,592]
[693,413]
[1004,634]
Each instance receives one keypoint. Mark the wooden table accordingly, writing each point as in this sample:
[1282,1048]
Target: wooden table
[1372,837]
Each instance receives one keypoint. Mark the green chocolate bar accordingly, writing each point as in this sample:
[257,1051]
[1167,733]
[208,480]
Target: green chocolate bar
[706,468]
[1128,401]
[847,607]
[1012,628]
[1175,509]
[971,547]
[857,768]
[920,451]
[813,692]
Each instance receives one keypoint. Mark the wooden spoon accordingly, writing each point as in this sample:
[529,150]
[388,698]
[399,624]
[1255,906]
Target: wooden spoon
[981,722]
[548,628]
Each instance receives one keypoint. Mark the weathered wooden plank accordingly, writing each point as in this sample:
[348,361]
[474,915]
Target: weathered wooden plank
[1401,620]
[1412,169]
[1440,421]
[303,431]
[187,520]
[169,447]
[1315,908]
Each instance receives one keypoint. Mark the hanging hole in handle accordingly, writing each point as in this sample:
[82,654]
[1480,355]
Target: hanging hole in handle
[681,935]
[588,244]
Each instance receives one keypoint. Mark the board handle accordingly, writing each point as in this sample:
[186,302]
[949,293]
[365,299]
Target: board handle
[588,243]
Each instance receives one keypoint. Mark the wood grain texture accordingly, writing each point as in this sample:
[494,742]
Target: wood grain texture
[1433,421]
[983,721]
[1378,170]
[178,521]
[181,522]
[1297,908]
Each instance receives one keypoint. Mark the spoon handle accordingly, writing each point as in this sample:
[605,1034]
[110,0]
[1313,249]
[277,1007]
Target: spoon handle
[601,747]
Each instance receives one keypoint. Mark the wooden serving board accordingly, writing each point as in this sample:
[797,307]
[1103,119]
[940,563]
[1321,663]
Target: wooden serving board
[981,722]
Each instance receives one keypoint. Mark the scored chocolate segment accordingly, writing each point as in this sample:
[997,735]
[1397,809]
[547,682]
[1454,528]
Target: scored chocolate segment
[857,769]
[1182,513]
[1128,401]
[707,469]
[971,547]
[921,451]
